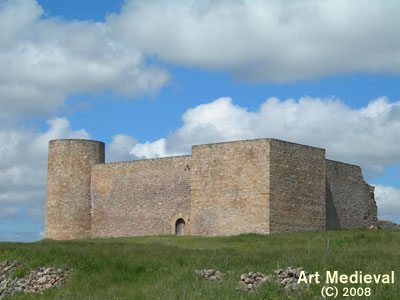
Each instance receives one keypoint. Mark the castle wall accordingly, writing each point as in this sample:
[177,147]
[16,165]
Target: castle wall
[349,199]
[255,186]
[297,187]
[68,187]
[143,197]
[230,185]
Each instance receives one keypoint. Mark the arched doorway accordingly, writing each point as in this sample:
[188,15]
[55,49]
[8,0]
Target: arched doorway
[180,227]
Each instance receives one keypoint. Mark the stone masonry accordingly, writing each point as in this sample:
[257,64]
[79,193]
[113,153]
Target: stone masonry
[297,195]
[140,197]
[253,186]
[68,200]
[230,188]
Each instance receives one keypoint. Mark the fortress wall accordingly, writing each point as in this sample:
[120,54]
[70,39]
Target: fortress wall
[297,193]
[143,197]
[350,200]
[230,185]
[68,187]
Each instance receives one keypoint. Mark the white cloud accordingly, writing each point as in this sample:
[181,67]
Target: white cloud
[264,40]
[124,147]
[217,121]
[120,147]
[23,161]
[388,201]
[151,149]
[48,59]
[364,136]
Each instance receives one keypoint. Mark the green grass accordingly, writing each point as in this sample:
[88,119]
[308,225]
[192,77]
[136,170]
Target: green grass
[21,272]
[162,267]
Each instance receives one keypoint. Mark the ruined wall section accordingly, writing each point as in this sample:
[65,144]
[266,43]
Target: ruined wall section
[230,186]
[297,187]
[350,200]
[143,197]
[69,168]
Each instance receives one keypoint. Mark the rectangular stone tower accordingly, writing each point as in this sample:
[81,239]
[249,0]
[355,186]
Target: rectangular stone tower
[230,188]
[257,186]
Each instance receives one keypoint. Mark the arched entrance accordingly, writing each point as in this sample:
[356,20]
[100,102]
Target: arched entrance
[180,227]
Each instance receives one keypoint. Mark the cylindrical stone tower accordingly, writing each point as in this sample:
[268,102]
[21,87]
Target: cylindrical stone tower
[68,203]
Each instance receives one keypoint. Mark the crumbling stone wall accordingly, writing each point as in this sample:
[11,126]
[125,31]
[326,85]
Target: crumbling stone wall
[230,188]
[143,197]
[68,187]
[349,199]
[297,187]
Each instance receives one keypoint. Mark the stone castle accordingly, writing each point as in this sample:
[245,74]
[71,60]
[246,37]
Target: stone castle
[254,186]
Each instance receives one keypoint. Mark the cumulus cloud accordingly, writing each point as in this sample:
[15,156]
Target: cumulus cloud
[388,201]
[262,40]
[23,168]
[153,149]
[120,148]
[48,59]
[363,136]
[124,147]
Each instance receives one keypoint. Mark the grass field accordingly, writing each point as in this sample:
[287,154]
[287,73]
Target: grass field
[162,267]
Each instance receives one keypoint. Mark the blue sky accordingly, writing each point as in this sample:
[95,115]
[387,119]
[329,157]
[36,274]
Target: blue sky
[151,78]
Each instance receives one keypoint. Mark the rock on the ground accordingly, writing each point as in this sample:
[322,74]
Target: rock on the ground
[35,282]
[287,278]
[210,274]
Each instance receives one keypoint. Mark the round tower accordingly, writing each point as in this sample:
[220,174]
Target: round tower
[68,203]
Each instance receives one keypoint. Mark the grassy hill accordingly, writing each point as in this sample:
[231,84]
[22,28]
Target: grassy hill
[162,267]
